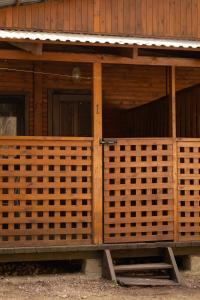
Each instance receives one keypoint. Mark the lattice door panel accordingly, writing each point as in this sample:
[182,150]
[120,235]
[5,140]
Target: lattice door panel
[189,190]
[138,191]
[45,192]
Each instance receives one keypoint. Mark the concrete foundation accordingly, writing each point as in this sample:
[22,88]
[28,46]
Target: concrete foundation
[192,263]
[92,268]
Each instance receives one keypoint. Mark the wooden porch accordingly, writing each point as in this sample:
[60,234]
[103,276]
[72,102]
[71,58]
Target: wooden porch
[141,187]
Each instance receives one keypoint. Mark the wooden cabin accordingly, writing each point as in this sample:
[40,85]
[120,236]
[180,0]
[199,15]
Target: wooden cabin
[99,125]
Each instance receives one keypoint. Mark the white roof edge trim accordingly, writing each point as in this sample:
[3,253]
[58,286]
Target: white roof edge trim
[101,39]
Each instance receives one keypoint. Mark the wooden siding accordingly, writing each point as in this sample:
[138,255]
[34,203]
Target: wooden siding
[152,18]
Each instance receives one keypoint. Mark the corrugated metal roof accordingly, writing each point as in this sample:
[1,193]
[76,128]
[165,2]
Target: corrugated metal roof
[101,39]
[4,3]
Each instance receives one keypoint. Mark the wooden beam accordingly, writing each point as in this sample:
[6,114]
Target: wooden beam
[172,132]
[135,52]
[99,58]
[29,47]
[97,155]
[108,267]
[38,99]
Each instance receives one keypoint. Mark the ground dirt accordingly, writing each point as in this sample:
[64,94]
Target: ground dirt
[78,286]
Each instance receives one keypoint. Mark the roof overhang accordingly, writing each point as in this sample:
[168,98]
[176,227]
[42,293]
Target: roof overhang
[14,35]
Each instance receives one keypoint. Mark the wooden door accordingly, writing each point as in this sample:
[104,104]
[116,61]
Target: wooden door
[70,115]
[138,190]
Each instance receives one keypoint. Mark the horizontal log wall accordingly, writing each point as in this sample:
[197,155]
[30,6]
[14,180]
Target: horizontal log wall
[160,18]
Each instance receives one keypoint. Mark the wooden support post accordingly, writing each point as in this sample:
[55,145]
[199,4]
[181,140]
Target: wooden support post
[172,110]
[172,132]
[97,155]
[37,94]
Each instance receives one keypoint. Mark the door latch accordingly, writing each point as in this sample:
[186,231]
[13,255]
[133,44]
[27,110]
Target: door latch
[108,141]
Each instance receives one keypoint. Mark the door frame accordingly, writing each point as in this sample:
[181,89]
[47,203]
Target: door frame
[51,93]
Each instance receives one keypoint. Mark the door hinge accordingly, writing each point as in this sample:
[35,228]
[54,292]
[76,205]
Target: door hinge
[108,141]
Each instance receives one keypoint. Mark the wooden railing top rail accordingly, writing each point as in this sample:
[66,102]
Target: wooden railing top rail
[188,139]
[45,138]
[58,138]
[145,139]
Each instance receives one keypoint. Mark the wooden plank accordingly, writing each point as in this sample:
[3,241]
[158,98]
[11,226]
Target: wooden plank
[96,16]
[98,58]
[141,267]
[29,47]
[126,17]
[29,139]
[78,12]
[120,10]
[90,15]
[149,17]
[130,281]
[114,16]
[84,12]
[9,17]
[59,16]
[108,268]
[97,154]
[172,130]
[72,14]
[171,259]
[66,9]
[172,104]
[28,17]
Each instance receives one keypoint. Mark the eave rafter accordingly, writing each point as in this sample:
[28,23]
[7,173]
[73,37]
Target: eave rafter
[33,48]
[101,58]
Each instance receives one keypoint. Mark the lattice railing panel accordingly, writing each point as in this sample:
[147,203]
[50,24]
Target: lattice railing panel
[138,191]
[45,191]
[189,190]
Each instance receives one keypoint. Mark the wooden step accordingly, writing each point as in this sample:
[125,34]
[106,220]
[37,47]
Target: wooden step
[150,278]
[142,267]
[132,281]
